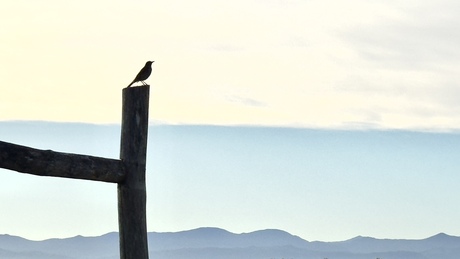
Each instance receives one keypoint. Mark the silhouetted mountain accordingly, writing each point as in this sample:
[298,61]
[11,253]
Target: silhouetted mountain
[368,244]
[74,247]
[219,238]
[208,243]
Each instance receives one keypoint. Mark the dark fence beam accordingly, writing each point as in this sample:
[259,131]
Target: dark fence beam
[50,163]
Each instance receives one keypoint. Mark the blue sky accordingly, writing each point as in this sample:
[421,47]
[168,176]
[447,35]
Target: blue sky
[318,184]
[339,118]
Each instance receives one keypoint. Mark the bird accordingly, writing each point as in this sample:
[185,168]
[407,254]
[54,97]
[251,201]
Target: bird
[143,74]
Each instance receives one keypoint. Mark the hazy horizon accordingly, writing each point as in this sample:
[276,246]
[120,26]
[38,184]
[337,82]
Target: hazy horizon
[209,243]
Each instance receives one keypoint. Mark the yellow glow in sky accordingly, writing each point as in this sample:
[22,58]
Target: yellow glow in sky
[379,64]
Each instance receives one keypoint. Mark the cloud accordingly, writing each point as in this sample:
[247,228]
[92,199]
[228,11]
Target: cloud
[420,38]
[402,65]
[245,101]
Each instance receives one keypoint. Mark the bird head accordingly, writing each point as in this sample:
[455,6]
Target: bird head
[149,63]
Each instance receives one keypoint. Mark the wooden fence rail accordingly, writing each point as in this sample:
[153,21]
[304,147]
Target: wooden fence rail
[50,163]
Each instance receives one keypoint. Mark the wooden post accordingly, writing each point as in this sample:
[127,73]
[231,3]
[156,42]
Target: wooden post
[132,191]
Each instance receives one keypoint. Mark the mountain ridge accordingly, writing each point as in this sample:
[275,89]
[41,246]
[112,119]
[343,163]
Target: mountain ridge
[211,242]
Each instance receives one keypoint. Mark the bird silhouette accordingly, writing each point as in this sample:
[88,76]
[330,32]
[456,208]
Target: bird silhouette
[143,74]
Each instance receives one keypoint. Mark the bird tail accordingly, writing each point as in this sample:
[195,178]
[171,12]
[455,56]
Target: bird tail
[130,84]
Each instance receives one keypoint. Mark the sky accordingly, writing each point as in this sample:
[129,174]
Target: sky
[328,185]
[325,65]
[353,64]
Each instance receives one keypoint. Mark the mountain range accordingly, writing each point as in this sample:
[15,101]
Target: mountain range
[207,243]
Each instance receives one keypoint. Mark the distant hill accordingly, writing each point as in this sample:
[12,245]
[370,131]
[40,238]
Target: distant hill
[207,243]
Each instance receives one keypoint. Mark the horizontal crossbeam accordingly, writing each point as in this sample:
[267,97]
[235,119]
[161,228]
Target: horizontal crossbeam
[50,163]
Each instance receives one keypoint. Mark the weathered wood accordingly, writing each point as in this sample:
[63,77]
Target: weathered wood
[132,191]
[50,163]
